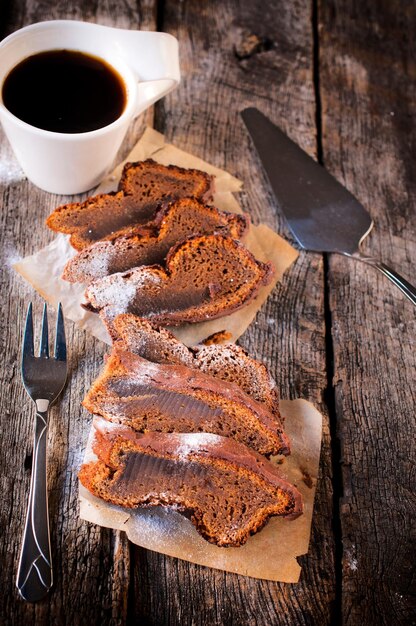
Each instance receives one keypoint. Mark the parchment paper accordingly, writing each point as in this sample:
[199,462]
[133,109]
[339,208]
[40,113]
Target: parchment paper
[44,268]
[271,553]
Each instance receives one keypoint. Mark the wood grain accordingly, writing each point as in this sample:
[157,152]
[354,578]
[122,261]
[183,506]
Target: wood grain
[94,565]
[236,54]
[367,79]
[91,564]
[202,116]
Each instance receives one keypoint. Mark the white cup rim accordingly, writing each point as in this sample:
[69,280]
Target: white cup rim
[120,66]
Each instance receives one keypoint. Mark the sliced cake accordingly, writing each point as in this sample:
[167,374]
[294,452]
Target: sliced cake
[182,219]
[174,398]
[227,362]
[144,187]
[227,490]
[205,278]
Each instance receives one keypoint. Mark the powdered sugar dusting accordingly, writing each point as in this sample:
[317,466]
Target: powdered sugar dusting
[97,264]
[10,172]
[144,277]
[119,290]
[10,254]
[194,442]
[120,296]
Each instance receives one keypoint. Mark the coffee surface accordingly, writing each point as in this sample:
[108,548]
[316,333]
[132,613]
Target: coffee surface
[64,91]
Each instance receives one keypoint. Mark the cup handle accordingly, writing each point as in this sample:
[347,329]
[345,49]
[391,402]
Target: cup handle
[154,57]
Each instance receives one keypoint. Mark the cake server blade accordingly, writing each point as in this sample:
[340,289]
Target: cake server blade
[322,215]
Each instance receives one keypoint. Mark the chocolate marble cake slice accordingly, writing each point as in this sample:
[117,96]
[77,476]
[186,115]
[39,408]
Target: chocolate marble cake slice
[150,244]
[226,489]
[205,278]
[144,187]
[174,398]
[227,362]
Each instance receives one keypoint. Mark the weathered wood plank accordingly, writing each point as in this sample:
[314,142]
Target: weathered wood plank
[202,116]
[91,564]
[368,93]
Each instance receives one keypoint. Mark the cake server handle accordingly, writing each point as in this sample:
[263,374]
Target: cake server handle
[405,287]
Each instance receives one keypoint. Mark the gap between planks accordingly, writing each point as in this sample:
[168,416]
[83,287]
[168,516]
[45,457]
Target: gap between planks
[330,393]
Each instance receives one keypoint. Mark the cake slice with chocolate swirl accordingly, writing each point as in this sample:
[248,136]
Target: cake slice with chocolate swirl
[227,490]
[144,187]
[175,398]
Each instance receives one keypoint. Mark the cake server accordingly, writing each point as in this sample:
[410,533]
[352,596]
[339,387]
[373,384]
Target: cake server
[322,215]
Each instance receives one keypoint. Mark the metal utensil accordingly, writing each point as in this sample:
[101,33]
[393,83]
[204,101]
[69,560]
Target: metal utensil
[321,213]
[44,379]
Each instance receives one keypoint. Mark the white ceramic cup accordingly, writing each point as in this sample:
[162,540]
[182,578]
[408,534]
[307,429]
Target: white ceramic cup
[65,163]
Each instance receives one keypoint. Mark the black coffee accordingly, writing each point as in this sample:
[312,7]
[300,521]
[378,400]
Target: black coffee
[64,91]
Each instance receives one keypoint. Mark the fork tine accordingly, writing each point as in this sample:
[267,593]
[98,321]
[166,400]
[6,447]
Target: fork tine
[44,338]
[60,343]
[28,349]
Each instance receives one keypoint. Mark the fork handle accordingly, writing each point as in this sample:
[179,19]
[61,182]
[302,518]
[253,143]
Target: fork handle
[34,576]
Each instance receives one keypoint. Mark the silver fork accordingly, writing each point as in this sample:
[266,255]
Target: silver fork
[44,379]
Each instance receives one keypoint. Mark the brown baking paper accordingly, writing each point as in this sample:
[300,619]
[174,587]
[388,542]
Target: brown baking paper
[271,553]
[44,268]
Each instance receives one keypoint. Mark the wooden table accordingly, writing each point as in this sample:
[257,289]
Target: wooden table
[340,78]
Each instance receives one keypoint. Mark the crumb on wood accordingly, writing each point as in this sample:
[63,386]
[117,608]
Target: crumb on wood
[307,478]
[220,337]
